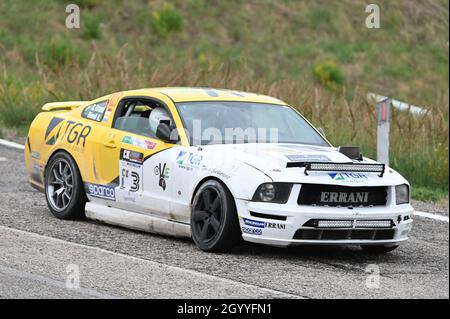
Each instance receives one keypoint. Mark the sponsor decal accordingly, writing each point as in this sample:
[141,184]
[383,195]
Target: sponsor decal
[261,224]
[163,172]
[308,158]
[139,142]
[53,123]
[253,223]
[188,160]
[348,176]
[131,156]
[129,199]
[130,180]
[74,133]
[217,172]
[344,197]
[101,191]
[36,155]
[252,231]
[114,99]
[107,114]
[95,111]
[275,225]
[131,171]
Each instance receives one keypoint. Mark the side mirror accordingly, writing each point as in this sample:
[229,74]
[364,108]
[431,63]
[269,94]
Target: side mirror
[321,131]
[164,133]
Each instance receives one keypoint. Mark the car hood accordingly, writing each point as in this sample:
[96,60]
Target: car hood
[272,160]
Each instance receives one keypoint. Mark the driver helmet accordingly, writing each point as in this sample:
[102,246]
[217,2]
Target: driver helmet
[157,115]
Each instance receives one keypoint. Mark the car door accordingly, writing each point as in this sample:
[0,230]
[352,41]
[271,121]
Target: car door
[137,163]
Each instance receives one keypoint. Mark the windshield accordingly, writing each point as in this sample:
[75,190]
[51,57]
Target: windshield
[245,122]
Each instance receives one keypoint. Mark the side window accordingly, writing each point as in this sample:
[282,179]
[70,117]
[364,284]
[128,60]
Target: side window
[95,112]
[141,116]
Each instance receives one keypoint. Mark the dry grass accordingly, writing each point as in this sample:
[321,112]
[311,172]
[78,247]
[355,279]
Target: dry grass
[419,145]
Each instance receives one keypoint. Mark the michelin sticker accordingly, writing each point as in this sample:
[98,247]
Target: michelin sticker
[253,223]
[261,224]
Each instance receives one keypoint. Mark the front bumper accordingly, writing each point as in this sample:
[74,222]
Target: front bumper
[263,222]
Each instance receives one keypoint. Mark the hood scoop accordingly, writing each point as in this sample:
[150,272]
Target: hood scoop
[352,152]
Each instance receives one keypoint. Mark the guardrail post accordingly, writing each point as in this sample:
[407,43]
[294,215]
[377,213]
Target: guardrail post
[384,113]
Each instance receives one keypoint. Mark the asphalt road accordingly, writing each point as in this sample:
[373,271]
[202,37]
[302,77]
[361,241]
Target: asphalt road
[43,257]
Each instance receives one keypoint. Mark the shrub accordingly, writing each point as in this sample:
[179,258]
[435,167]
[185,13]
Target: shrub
[60,52]
[18,105]
[91,26]
[328,74]
[166,20]
[88,4]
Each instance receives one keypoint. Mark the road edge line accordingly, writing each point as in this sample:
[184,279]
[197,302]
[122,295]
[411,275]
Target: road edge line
[431,216]
[11,144]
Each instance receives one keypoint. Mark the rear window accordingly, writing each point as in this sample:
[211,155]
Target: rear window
[95,112]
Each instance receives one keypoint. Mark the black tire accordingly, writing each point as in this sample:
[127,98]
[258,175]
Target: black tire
[214,221]
[378,249]
[71,204]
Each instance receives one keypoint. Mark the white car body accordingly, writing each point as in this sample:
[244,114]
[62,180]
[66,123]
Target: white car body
[243,168]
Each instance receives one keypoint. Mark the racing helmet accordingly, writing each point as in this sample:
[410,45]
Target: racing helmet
[158,115]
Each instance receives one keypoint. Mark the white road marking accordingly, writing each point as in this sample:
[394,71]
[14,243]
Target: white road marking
[88,292]
[432,216]
[278,294]
[11,144]
[417,213]
[2,159]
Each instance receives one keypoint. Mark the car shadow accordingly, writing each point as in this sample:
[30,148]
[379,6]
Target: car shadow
[324,253]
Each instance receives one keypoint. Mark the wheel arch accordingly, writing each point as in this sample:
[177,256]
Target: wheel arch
[207,178]
[61,150]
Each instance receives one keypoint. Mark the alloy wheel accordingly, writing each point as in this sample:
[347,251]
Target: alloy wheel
[207,214]
[60,185]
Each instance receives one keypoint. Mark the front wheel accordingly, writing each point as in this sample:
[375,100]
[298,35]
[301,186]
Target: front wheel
[214,220]
[378,249]
[64,188]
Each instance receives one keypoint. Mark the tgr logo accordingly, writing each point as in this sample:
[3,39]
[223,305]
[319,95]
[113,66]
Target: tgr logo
[189,159]
[347,176]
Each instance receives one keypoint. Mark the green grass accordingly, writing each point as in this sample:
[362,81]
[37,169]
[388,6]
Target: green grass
[316,55]
[430,194]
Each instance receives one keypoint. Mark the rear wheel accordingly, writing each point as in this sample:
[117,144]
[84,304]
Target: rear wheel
[214,221]
[378,249]
[64,188]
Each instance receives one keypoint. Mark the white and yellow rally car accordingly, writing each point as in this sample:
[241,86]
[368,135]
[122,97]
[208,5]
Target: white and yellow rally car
[214,165]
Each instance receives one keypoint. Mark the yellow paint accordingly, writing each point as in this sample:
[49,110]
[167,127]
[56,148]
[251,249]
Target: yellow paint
[97,155]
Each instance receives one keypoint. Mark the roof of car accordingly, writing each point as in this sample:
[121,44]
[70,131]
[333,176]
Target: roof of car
[191,94]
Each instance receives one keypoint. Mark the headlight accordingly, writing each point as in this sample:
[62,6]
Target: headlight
[273,193]
[402,194]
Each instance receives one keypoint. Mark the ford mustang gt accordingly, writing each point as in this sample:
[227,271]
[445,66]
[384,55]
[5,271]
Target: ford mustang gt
[215,165]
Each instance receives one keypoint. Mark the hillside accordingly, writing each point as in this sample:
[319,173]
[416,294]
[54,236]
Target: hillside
[317,55]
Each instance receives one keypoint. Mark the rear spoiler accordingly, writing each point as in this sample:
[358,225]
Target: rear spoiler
[61,106]
[340,167]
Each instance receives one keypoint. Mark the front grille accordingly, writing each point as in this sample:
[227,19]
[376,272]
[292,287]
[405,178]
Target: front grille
[344,234]
[345,196]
